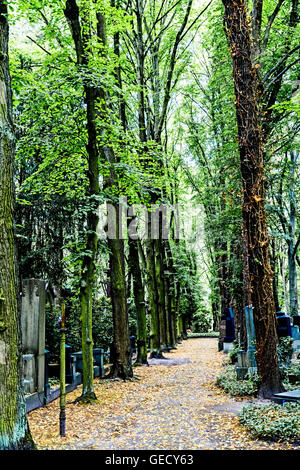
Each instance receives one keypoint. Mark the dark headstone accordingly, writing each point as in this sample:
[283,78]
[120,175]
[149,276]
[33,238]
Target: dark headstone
[296,320]
[230,334]
[133,343]
[284,326]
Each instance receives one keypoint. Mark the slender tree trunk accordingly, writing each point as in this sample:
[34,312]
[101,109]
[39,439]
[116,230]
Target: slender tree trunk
[160,294]
[139,297]
[170,294]
[257,271]
[155,350]
[293,291]
[14,431]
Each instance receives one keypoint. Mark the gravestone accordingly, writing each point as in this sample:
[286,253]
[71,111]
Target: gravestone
[98,354]
[33,334]
[133,344]
[77,367]
[251,338]
[283,325]
[246,359]
[229,331]
[295,328]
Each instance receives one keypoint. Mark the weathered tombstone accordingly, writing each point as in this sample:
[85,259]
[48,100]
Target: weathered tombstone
[246,360]
[251,338]
[29,378]
[98,354]
[33,333]
[230,333]
[77,367]
[242,365]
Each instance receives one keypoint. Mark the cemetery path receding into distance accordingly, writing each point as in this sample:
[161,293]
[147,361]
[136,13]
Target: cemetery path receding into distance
[173,407]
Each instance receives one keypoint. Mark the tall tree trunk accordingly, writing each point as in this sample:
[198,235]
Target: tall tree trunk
[257,271]
[14,431]
[81,42]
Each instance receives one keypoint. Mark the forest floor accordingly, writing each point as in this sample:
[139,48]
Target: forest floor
[173,405]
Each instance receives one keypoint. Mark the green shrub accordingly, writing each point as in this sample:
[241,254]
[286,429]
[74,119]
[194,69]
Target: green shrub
[272,421]
[291,377]
[227,380]
[285,351]
[233,353]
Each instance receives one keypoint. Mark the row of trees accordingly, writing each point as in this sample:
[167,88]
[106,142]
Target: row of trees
[91,108]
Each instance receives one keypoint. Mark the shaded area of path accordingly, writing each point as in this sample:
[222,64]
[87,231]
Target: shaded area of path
[174,408]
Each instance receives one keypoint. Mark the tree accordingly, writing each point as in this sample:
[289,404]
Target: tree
[14,431]
[257,270]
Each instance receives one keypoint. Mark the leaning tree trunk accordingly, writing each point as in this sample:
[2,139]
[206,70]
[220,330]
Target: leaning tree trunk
[14,431]
[257,271]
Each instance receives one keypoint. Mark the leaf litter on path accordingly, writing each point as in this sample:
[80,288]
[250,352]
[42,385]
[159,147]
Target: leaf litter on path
[177,407]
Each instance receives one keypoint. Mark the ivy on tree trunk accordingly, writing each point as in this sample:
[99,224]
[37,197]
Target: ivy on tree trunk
[257,281]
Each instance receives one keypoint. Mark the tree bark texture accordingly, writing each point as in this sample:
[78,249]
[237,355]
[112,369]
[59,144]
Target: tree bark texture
[14,431]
